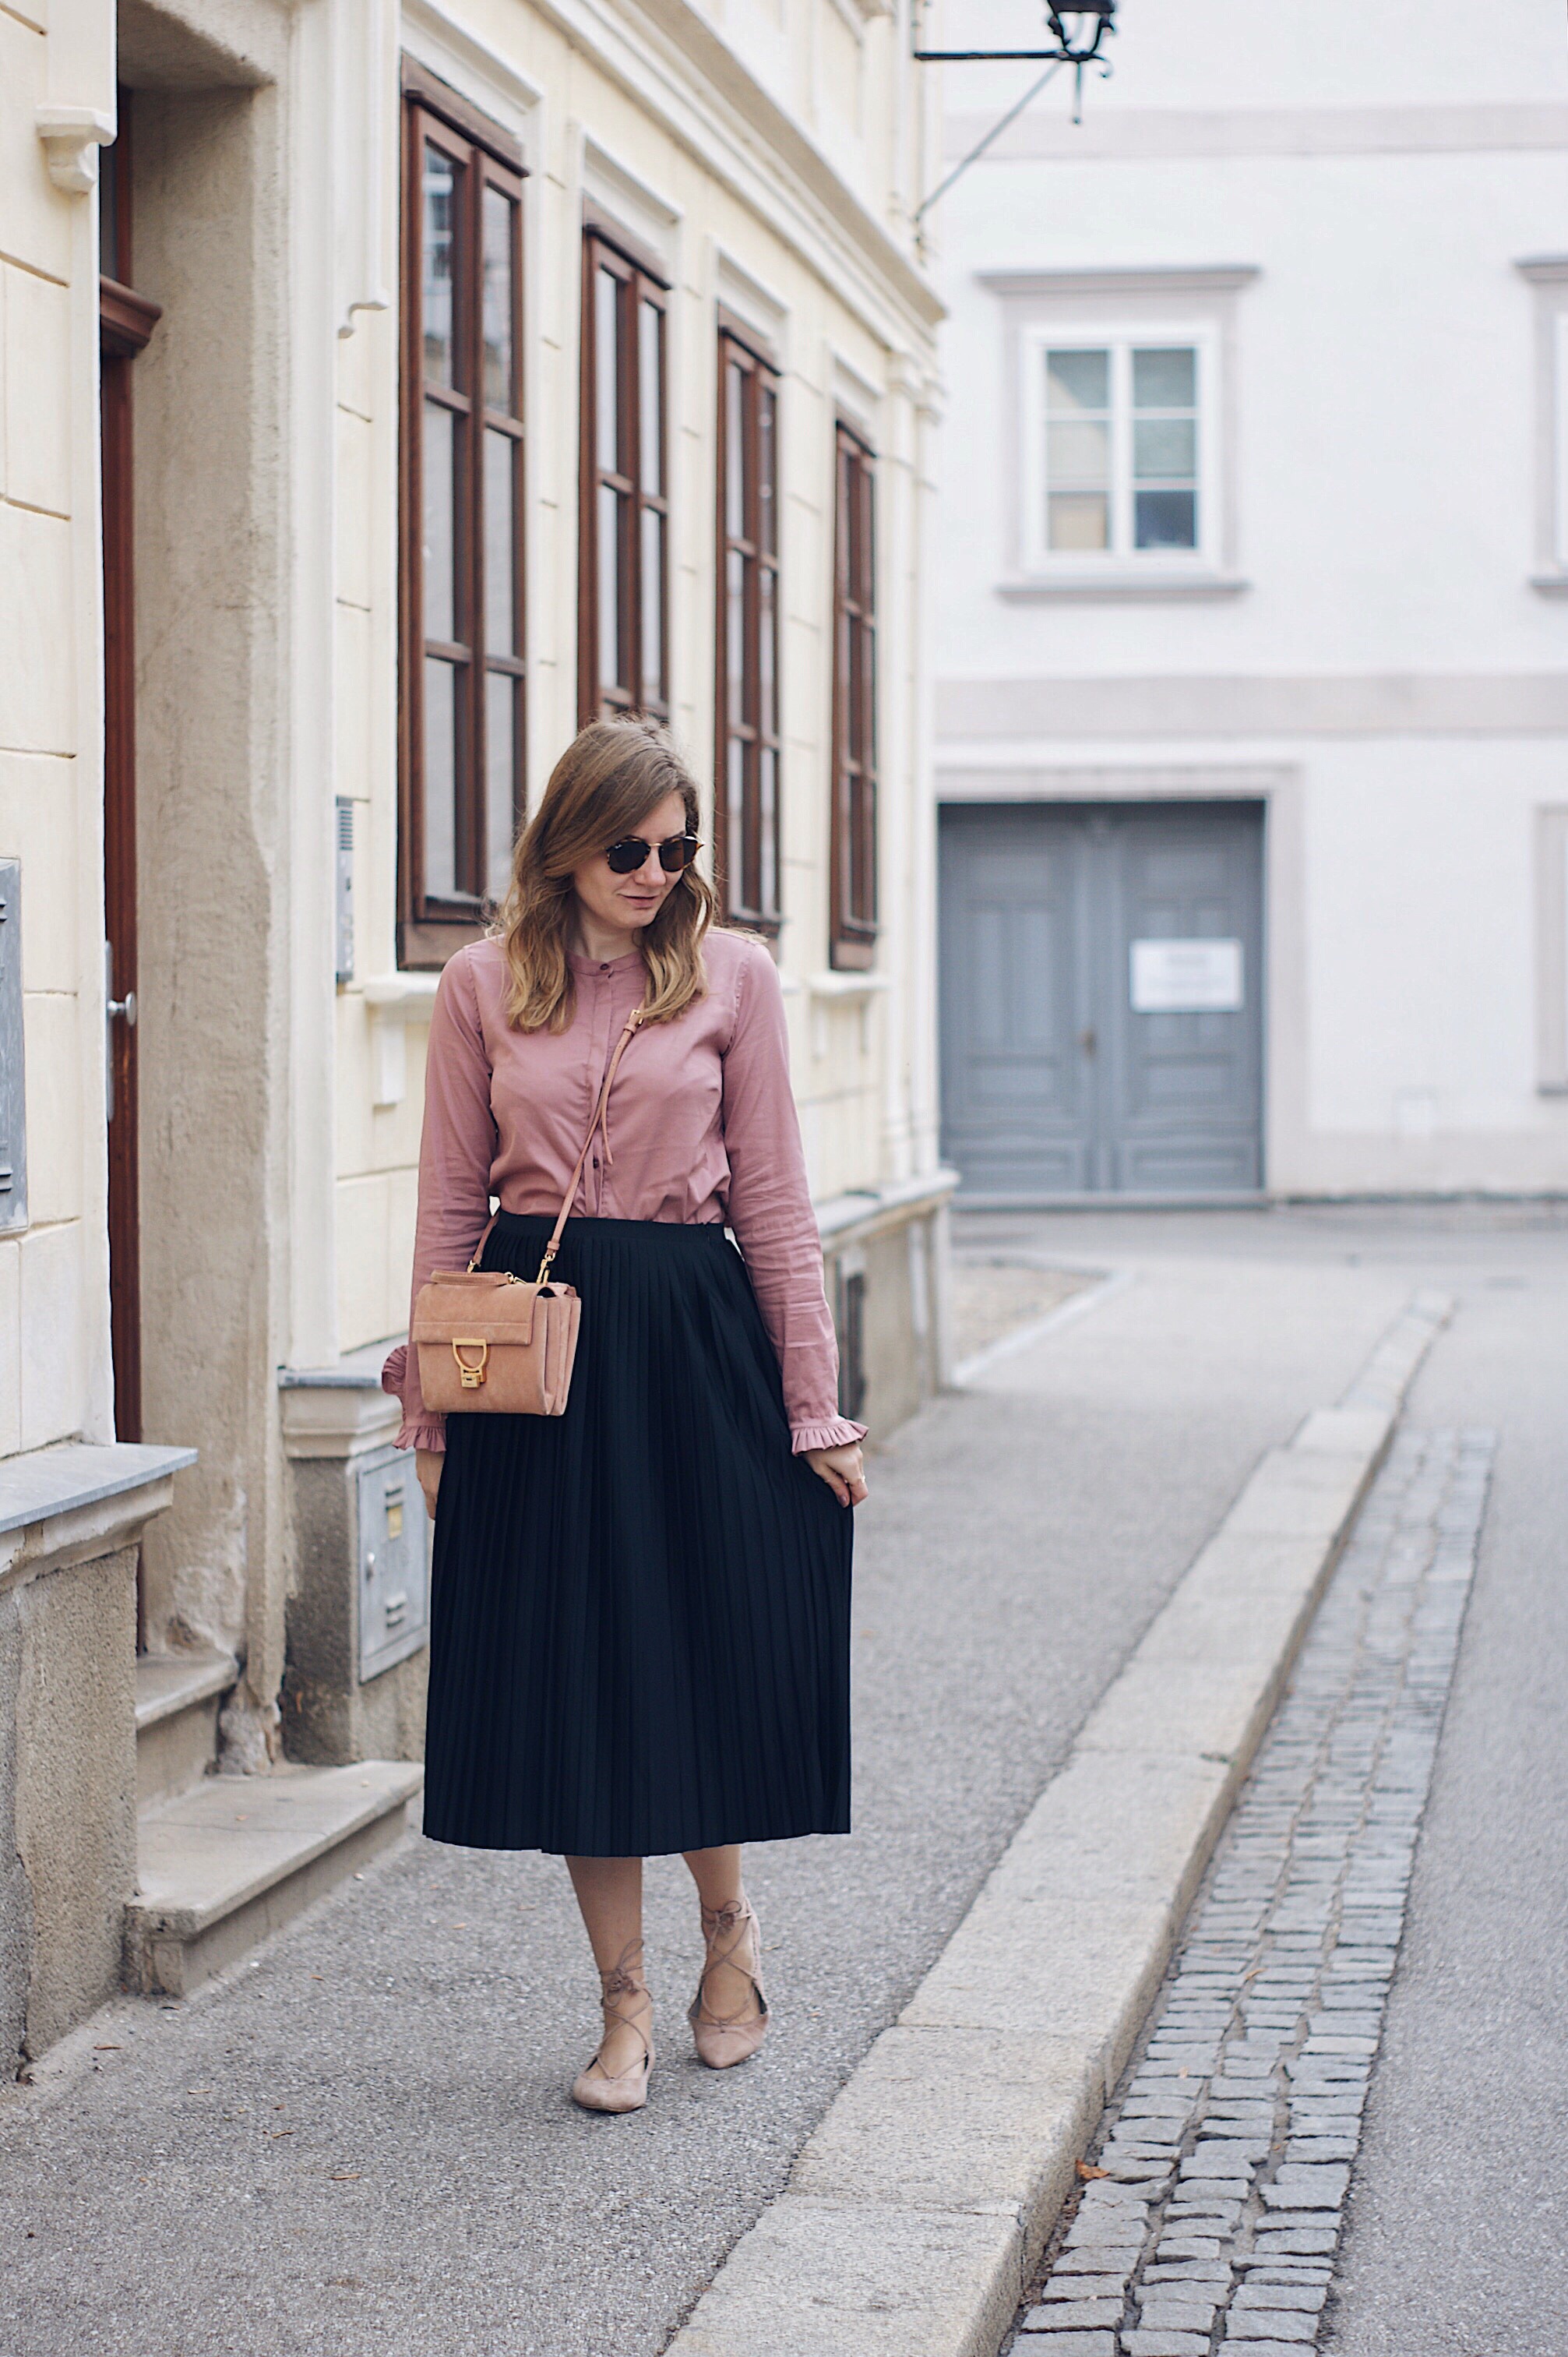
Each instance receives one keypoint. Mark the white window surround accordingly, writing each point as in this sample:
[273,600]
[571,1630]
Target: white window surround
[1185,307]
[1548,275]
[1122,561]
[1552,949]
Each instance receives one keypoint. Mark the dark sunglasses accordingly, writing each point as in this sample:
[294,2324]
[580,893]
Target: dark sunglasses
[627,857]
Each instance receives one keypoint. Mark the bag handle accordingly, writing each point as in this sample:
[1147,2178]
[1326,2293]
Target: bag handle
[633,1022]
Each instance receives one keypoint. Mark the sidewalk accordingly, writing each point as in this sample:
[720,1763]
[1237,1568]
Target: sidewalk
[375,2111]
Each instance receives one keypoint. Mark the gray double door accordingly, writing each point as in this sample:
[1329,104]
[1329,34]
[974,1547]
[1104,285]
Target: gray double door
[1101,984]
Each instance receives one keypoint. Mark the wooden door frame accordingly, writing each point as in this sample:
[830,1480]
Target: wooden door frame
[126,321]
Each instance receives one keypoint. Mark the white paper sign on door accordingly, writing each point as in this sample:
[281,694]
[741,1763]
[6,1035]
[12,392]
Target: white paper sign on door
[1189,977]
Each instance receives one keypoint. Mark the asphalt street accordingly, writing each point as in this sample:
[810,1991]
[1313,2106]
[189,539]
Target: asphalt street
[1456,2240]
[364,2142]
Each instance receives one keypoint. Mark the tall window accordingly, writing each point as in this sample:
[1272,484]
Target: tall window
[462,496]
[746,736]
[854,847]
[623,657]
[1117,441]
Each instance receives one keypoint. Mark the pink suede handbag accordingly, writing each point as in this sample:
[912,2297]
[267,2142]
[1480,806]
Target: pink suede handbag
[489,1342]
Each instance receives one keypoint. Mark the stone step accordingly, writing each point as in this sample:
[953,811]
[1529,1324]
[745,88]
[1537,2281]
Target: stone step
[224,1864]
[179,1697]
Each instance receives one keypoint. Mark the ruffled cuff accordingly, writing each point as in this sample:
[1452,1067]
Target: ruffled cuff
[838,1432]
[424,1431]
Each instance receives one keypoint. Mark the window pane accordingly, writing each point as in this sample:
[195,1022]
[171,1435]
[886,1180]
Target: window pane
[734,638]
[1078,380]
[440,537]
[1080,520]
[767,471]
[651,387]
[500,518]
[501,771]
[441,179]
[607,372]
[767,804]
[1164,519]
[1079,453]
[652,606]
[496,309]
[610,503]
[1164,379]
[440,780]
[766,637]
[1164,447]
[734,813]
[735,452]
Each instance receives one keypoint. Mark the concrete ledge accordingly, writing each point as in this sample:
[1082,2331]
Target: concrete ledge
[922,2201]
[226,1864]
[80,1500]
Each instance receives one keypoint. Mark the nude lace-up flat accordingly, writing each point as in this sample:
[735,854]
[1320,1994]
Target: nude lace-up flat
[724,2039]
[598,2090]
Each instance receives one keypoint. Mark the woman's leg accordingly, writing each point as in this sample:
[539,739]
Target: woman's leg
[727,1990]
[610,1892]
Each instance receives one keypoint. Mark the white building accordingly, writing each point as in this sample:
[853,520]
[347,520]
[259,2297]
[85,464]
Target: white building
[1251,603]
[376,316]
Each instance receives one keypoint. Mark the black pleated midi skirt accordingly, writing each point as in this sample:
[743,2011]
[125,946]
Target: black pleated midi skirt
[639,1611]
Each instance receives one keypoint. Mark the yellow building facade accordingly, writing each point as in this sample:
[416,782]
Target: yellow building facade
[337,489]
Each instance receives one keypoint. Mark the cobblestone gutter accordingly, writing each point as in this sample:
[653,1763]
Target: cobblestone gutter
[1228,2150]
[919,2209]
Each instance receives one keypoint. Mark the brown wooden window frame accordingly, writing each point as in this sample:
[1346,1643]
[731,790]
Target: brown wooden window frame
[433,922]
[853,830]
[640,492]
[747,731]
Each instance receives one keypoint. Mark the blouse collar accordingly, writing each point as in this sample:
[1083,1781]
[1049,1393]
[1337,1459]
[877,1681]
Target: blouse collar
[623,964]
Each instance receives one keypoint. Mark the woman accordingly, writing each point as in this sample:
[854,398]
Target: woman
[639,1637]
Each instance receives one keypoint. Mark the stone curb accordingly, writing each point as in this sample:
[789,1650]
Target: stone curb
[918,2207]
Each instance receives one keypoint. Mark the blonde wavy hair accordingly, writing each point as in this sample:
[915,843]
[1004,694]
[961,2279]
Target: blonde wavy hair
[607,781]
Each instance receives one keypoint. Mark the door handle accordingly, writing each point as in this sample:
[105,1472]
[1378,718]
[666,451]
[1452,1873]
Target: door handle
[127,1009]
[1089,1040]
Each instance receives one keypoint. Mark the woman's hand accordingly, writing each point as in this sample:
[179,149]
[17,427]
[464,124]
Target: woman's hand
[843,1469]
[427,1464]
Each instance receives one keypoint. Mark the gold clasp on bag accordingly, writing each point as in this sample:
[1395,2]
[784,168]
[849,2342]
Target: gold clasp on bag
[470,1377]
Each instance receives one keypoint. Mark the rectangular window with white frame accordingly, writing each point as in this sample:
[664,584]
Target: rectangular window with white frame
[1120,432]
[1548,277]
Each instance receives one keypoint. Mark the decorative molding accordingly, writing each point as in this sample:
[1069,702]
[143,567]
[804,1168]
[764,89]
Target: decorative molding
[1359,704]
[857,400]
[1123,781]
[409,997]
[642,220]
[1156,278]
[482,74]
[1545,269]
[1123,588]
[363,46]
[755,306]
[73,136]
[1550,585]
[1147,134]
[868,1212]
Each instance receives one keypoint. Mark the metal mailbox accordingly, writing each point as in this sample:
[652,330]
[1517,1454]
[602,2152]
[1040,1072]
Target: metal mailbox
[395,1560]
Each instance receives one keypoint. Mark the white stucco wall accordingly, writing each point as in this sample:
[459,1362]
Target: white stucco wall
[1379,638]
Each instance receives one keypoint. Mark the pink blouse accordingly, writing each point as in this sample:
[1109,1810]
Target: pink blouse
[702,1126]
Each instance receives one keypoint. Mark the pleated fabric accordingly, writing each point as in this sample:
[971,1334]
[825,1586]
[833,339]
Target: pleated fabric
[639,1616]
